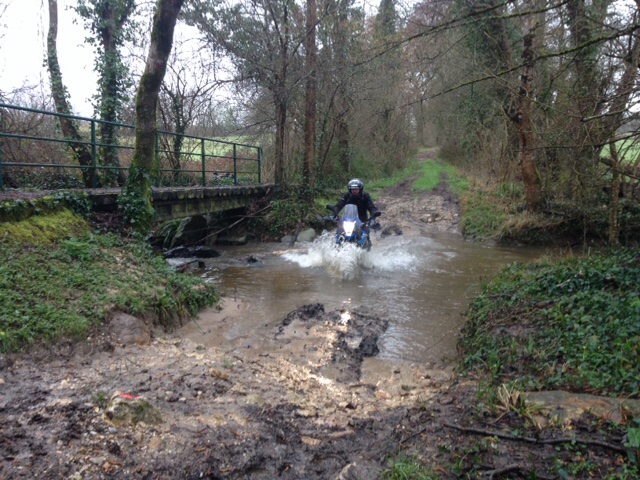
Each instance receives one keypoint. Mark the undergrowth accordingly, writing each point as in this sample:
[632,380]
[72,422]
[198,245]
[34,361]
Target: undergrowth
[572,324]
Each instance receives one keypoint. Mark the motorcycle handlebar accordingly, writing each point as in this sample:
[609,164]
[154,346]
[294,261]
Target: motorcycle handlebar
[335,218]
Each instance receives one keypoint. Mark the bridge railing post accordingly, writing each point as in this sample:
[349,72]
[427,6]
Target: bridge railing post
[156,173]
[1,179]
[94,156]
[235,164]
[204,163]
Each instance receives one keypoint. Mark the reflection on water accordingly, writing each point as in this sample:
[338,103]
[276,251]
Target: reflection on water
[421,285]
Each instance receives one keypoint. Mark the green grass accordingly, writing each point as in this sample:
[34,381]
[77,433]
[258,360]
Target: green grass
[63,289]
[217,147]
[427,173]
[407,468]
[628,150]
[571,324]
[399,176]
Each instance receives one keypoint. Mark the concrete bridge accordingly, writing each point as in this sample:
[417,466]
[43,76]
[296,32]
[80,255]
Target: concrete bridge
[180,202]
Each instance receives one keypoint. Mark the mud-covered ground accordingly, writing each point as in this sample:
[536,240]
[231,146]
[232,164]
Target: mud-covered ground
[315,404]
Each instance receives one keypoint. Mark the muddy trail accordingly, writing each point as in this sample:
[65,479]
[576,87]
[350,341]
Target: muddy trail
[316,404]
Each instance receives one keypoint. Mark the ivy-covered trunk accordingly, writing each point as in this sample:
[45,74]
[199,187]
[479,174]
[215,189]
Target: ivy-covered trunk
[109,100]
[110,23]
[135,200]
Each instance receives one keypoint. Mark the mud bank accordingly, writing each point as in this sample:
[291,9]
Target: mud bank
[316,413]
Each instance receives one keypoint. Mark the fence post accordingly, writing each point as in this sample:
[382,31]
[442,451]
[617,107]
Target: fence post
[1,179]
[94,154]
[157,162]
[204,163]
[235,165]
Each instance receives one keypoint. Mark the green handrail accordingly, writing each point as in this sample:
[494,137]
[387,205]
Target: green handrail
[216,166]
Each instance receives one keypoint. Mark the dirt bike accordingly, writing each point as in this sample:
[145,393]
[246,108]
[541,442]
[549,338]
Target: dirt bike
[351,229]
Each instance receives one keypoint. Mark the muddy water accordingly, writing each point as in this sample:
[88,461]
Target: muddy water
[422,285]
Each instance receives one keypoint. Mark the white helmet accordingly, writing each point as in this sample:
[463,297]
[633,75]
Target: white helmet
[355,183]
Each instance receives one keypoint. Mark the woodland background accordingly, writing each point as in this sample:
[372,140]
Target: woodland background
[534,98]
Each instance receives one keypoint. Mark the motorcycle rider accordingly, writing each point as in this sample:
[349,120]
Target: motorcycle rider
[356,196]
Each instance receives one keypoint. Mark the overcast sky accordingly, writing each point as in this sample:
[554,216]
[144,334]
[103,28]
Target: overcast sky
[23,28]
[22,51]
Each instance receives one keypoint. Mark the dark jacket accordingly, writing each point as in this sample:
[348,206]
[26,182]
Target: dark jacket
[362,201]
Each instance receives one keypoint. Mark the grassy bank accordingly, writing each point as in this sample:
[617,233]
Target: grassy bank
[59,279]
[571,324]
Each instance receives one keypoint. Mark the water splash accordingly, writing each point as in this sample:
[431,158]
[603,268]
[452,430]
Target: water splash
[394,253]
[348,261]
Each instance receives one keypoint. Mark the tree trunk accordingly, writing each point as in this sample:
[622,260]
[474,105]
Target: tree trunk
[586,95]
[281,120]
[281,107]
[310,102]
[342,104]
[136,195]
[59,93]
[524,121]
[527,140]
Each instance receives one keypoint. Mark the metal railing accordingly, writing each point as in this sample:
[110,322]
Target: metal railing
[34,153]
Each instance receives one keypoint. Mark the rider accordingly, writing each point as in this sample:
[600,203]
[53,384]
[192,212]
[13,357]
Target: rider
[356,196]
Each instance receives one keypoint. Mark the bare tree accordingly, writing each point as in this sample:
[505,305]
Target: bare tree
[523,119]
[184,96]
[263,40]
[541,86]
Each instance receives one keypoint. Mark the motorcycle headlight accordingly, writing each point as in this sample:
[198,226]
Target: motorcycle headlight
[349,227]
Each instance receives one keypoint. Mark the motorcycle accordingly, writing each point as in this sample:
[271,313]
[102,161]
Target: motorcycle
[351,229]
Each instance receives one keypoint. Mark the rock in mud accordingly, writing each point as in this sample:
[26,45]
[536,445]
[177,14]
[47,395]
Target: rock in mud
[127,410]
[303,313]
[185,252]
[129,330]
[391,229]
[369,346]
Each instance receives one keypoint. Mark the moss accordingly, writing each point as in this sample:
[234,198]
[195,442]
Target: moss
[17,210]
[43,229]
